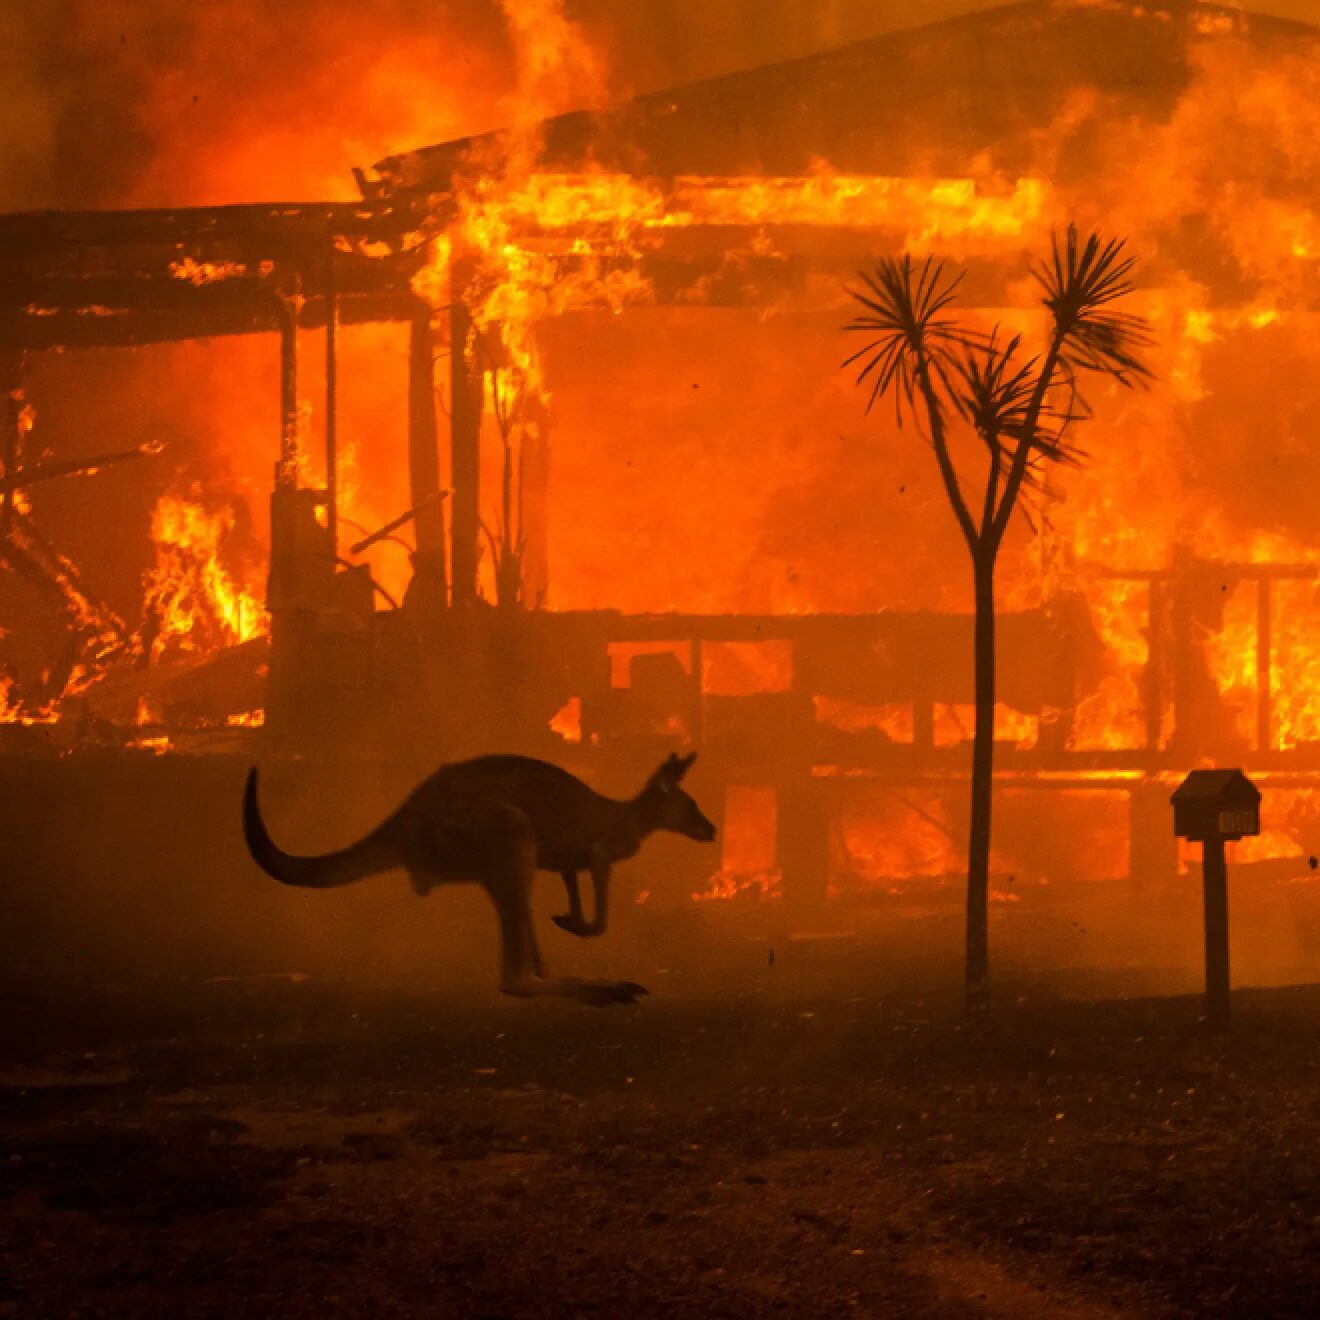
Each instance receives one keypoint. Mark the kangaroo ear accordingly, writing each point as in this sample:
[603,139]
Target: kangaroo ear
[673,768]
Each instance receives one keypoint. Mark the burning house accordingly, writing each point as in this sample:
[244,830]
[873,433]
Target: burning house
[557,456]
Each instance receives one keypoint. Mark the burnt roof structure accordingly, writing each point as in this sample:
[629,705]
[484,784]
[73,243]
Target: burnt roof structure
[922,101]
[108,278]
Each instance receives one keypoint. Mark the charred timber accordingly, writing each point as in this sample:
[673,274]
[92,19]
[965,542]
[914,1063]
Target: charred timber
[384,532]
[205,314]
[288,228]
[25,477]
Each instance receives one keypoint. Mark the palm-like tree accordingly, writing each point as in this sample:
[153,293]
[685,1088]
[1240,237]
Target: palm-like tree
[1021,407]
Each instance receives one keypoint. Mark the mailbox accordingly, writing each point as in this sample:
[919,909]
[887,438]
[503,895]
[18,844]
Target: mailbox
[1212,807]
[1216,804]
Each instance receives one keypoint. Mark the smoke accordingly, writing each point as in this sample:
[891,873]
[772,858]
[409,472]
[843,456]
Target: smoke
[157,103]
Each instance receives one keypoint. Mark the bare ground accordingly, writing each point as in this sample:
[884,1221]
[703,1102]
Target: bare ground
[273,1148]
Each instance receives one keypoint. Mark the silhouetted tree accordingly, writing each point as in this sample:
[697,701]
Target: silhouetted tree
[508,541]
[1021,408]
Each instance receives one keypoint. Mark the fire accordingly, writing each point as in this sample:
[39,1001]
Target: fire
[208,272]
[747,867]
[1112,716]
[13,710]
[192,597]
[709,458]
[610,221]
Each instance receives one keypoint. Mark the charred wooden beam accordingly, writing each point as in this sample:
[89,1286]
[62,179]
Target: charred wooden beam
[384,532]
[226,679]
[286,470]
[200,319]
[331,402]
[423,445]
[465,406]
[177,275]
[534,520]
[23,477]
[285,226]
[98,630]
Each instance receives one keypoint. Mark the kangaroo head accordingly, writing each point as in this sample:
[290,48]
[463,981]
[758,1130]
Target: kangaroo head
[672,808]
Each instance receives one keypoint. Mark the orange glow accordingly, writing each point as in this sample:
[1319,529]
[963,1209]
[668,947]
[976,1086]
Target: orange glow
[567,721]
[709,456]
[747,868]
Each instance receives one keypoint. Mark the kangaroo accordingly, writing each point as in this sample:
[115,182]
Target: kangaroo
[495,821]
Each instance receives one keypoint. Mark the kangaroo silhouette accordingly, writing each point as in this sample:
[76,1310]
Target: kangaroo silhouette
[495,821]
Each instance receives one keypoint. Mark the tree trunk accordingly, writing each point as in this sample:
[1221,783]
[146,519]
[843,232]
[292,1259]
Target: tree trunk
[983,753]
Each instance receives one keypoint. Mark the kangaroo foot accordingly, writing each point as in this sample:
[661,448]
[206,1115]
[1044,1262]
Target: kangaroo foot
[598,994]
[578,926]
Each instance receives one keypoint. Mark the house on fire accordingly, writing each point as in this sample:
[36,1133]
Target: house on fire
[754,195]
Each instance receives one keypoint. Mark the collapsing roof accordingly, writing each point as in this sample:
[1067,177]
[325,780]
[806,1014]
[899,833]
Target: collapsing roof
[924,101]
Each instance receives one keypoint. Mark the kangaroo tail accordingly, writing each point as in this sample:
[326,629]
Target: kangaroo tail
[369,856]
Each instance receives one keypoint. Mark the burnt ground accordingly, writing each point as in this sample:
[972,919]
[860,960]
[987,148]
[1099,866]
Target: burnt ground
[267,1147]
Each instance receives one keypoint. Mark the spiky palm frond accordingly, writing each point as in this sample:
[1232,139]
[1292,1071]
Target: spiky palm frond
[1079,282]
[904,310]
[996,387]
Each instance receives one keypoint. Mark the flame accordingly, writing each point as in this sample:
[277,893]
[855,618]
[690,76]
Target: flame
[193,596]
[1112,716]
[567,721]
[13,710]
[206,272]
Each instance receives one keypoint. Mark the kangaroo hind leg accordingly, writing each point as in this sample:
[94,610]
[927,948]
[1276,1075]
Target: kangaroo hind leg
[505,862]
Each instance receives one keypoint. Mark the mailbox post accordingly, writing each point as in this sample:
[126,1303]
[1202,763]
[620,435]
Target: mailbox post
[1215,807]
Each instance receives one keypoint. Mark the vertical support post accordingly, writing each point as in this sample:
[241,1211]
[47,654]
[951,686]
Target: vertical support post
[286,471]
[1215,880]
[923,726]
[11,385]
[423,447]
[697,693]
[1062,607]
[465,403]
[534,501]
[802,824]
[1154,682]
[1264,649]
[1184,652]
[331,402]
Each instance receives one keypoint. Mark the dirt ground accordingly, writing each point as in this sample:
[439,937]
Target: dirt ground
[271,1147]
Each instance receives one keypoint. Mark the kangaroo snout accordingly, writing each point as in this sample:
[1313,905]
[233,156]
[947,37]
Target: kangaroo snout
[705,831]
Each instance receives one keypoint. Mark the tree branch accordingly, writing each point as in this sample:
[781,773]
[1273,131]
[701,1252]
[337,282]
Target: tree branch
[1018,471]
[945,461]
